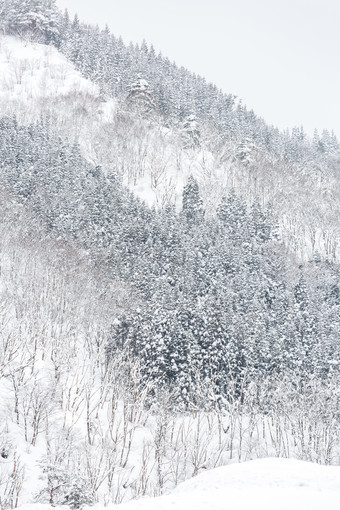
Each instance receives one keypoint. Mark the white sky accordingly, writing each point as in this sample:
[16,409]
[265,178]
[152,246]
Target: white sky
[280,56]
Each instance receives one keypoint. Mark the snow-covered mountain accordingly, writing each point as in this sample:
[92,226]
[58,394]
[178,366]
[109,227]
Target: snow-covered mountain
[156,158]
[169,284]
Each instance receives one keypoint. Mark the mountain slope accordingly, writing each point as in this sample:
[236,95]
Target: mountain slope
[141,346]
[35,78]
[156,154]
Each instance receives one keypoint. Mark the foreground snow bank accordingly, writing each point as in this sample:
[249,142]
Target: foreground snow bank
[266,484]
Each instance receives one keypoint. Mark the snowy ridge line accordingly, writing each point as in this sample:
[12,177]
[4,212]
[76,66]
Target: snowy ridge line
[155,161]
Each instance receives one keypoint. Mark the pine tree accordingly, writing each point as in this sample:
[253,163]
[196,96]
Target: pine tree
[140,98]
[190,132]
[192,206]
[38,19]
[232,213]
[261,229]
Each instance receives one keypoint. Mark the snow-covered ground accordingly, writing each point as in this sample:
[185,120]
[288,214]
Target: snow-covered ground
[265,484]
[31,72]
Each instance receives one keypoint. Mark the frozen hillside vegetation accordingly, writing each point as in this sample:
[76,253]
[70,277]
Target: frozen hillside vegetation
[36,79]
[169,284]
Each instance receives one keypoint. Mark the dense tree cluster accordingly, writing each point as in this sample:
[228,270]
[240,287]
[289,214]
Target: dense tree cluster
[180,96]
[175,93]
[217,299]
[161,120]
[115,315]
[36,19]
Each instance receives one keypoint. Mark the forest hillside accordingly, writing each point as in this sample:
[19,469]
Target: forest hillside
[169,277]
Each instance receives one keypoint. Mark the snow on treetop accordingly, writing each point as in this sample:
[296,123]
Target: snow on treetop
[140,84]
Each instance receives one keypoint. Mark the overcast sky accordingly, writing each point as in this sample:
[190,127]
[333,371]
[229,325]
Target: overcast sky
[281,57]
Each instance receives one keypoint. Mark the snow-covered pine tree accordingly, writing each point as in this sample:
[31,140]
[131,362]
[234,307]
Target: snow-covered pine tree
[140,98]
[232,213]
[36,19]
[192,206]
[190,132]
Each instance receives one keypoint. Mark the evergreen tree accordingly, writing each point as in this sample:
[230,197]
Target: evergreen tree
[140,98]
[232,213]
[190,132]
[38,19]
[192,207]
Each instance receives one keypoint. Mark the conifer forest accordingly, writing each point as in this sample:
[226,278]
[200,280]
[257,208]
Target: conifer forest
[169,272]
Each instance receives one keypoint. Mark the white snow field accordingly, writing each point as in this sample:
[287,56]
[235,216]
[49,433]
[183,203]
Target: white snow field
[265,484]
[31,73]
